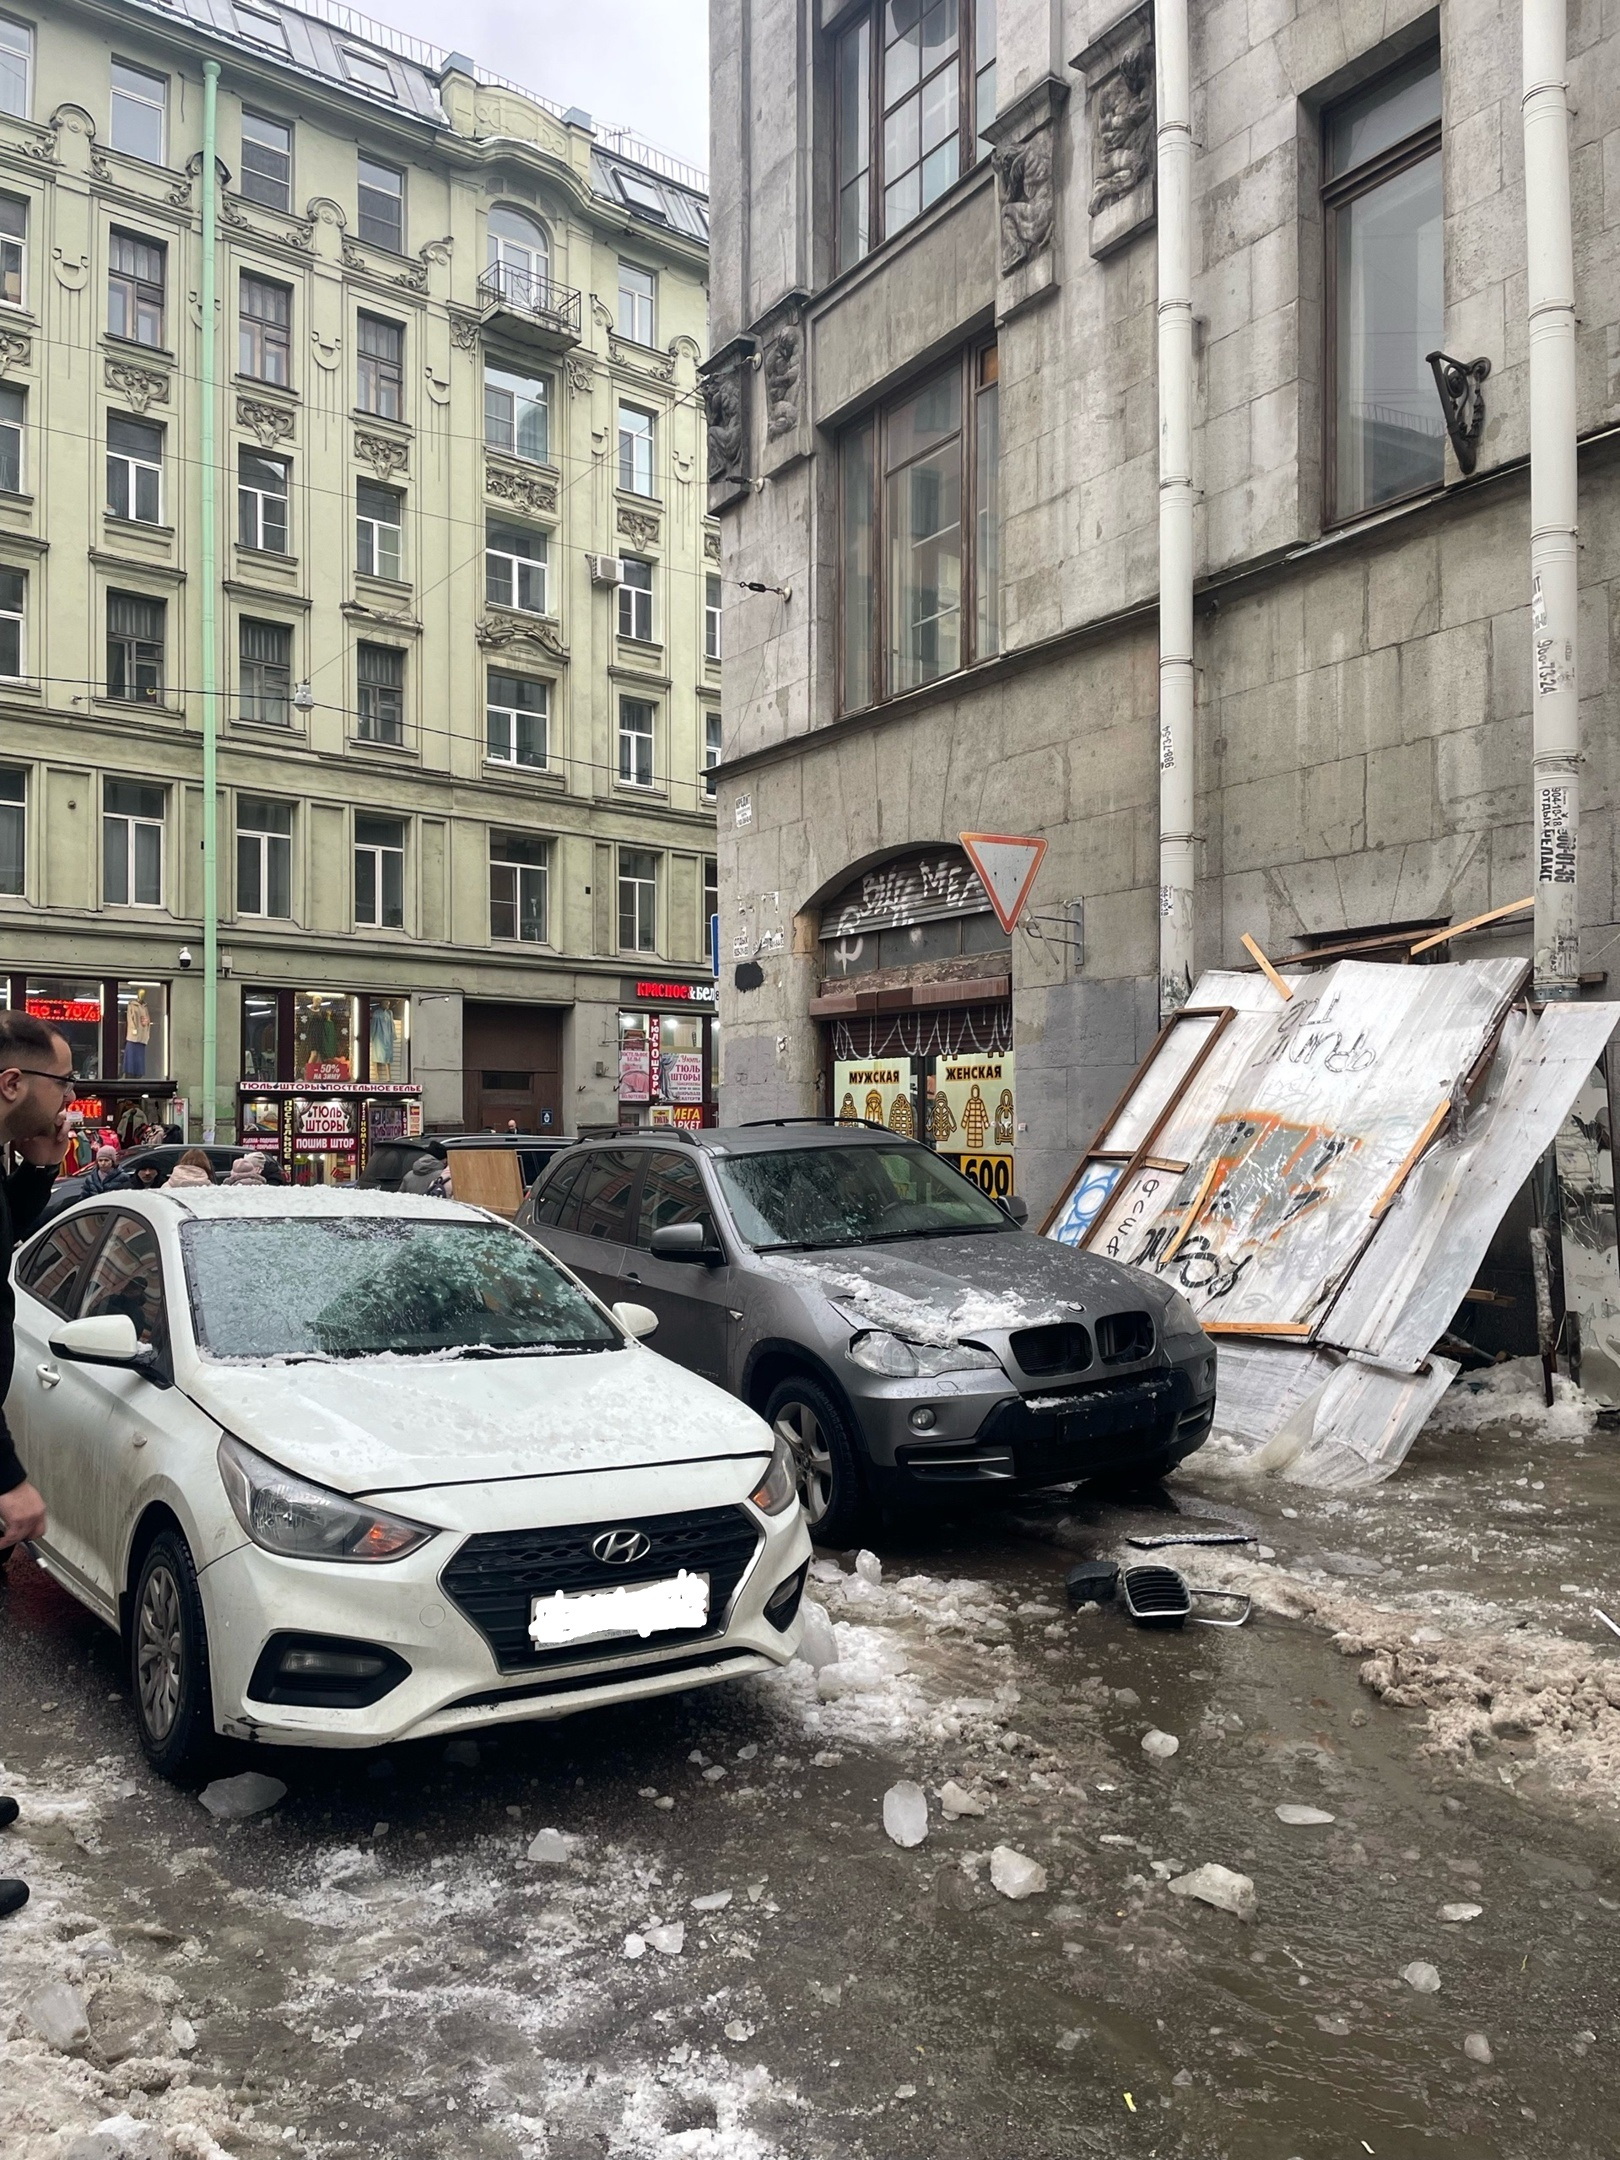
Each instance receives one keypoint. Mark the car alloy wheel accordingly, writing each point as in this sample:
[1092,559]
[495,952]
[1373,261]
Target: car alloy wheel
[798,1426]
[159,1652]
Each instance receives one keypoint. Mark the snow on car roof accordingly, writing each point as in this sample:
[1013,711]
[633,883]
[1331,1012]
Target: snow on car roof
[211,1202]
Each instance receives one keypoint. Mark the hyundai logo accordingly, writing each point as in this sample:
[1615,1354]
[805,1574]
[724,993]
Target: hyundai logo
[619,1547]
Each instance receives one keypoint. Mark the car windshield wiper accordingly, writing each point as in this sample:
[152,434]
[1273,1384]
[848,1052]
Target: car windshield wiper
[537,1349]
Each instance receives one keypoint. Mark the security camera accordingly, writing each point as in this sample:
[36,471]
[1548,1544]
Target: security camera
[185,956]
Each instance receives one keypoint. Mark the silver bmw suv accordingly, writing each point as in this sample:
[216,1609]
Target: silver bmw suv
[905,1335]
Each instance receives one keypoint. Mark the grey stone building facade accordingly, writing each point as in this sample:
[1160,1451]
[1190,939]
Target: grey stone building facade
[933,449]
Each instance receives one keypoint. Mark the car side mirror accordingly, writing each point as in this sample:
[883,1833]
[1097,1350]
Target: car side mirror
[1015,1207]
[684,1241]
[103,1339]
[636,1320]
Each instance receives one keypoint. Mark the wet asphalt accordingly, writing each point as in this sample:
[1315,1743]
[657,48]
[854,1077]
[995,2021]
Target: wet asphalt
[377,1969]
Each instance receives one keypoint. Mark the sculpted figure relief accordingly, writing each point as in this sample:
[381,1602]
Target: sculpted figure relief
[1024,171]
[1122,150]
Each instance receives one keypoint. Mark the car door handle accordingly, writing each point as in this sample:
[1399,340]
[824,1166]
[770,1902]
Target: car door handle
[47,1375]
[631,1275]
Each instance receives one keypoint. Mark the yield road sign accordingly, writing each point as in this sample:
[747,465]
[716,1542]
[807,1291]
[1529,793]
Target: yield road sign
[1006,863]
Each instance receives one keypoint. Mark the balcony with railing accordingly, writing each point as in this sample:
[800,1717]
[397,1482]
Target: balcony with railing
[530,308]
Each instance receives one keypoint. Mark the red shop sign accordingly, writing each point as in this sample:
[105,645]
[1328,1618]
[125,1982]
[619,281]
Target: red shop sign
[64,1009]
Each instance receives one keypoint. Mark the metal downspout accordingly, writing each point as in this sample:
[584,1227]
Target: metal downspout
[1554,570]
[1175,156]
[210,608]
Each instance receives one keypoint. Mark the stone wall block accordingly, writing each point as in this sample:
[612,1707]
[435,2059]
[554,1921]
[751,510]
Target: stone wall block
[1336,613]
[1337,807]
[1403,593]
[1262,822]
[1400,794]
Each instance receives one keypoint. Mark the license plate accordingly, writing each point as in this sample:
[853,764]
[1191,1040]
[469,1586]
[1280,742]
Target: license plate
[652,1608]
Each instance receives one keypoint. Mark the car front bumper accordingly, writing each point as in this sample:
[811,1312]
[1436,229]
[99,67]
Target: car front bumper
[454,1682]
[986,1433]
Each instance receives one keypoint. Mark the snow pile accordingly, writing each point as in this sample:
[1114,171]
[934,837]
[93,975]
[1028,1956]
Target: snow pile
[1512,1394]
[939,1320]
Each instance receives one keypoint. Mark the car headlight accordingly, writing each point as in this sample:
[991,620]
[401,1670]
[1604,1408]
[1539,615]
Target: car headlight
[1179,1318]
[879,1350]
[288,1515]
[779,1487]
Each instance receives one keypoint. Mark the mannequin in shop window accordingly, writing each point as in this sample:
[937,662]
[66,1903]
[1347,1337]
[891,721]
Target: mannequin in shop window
[384,1040]
[137,1035]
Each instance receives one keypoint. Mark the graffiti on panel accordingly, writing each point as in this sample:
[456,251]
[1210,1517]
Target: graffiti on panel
[1085,1203]
[1258,1177]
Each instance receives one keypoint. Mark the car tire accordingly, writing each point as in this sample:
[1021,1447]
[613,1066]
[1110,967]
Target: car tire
[832,1487]
[168,1660]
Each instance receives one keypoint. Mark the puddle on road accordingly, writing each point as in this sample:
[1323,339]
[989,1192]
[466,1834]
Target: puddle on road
[354,1984]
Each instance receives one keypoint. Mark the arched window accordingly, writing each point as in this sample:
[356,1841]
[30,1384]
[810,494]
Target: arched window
[519,257]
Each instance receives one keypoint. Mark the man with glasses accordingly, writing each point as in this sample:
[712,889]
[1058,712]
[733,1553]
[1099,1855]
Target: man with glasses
[36,1086]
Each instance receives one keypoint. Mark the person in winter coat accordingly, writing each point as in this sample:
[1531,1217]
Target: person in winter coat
[36,1086]
[104,1175]
[426,1175]
[247,1170]
[193,1168]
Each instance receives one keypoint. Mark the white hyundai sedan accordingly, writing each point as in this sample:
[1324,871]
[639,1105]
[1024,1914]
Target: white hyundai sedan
[348,1468]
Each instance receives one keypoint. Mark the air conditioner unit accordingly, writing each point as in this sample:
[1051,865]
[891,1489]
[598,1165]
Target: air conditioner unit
[605,569]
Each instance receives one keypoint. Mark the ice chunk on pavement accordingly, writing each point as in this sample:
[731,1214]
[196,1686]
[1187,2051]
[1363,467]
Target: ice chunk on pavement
[1461,1912]
[234,1799]
[56,2012]
[905,1813]
[1221,1887]
[668,1941]
[553,1848]
[826,1571]
[635,1946]
[1422,1977]
[1015,1875]
[1298,1817]
[1478,2049]
[183,2034]
[818,1645]
[739,2029]
[716,1901]
[956,1802]
[1160,1745]
[868,1566]
[748,1752]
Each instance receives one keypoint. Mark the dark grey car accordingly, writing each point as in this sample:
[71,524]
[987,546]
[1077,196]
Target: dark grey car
[903,1333]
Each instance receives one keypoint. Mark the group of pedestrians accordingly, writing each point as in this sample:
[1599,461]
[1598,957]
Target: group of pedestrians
[36,1086]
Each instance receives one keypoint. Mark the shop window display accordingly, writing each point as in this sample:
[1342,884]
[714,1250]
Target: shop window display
[389,1030]
[73,1008]
[261,1015]
[142,1029]
[324,1030]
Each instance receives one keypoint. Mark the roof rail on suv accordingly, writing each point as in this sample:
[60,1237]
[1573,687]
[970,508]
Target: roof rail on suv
[871,1124]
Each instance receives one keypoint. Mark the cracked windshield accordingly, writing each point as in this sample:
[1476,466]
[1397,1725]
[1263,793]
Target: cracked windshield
[808,1199]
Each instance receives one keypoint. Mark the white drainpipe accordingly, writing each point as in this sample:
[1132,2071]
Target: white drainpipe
[1175,157]
[1555,708]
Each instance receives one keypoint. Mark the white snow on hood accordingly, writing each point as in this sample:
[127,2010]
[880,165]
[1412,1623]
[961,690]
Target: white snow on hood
[941,1320]
[371,1424]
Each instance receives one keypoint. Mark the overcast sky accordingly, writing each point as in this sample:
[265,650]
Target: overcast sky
[642,64]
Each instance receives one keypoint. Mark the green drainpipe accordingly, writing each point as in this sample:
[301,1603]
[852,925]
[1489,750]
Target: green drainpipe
[210,599]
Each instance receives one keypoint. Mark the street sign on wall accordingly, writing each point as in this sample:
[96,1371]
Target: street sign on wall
[1007,864]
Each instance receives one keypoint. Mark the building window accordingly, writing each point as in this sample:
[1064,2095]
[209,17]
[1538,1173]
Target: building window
[515,568]
[635,450]
[916,485]
[138,102]
[135,289]
[519,265]
[13,596]
[711,897]
[518,718]
[264,329]
[635,742]
[263,29]
[382,205]
[635,599]
[263,857]
[134,470]
[378,528]
[379,871]
[131,844]
[134,648]
[914,86]
[13,414]
[637,290]
[518,871]
[638,900]
[370,71]
[1383,218]
[266,670]
[266,175]
[261,502]
[711,616]
[517,414]
[381,680]
[13,250]
[16,67]
[711,752]
[13,831]
[382,367]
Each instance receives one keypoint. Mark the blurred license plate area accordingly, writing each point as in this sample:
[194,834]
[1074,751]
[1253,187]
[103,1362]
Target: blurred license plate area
[652,1608]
